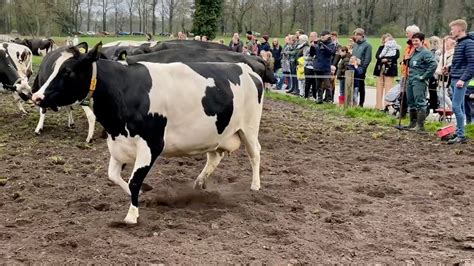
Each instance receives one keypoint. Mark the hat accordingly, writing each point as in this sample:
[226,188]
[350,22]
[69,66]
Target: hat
[249,32]
[359,31]
[265,37]
[324,32]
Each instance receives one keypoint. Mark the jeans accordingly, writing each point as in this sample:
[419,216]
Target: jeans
[280,79]
[294,79]
[458,106]
[301,87]
[355,96]
[342,87]
[362,90]
[310,82]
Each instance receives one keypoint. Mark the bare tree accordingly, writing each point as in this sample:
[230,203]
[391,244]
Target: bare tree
[131,6]
[89,4]
[172,4]
[104,4]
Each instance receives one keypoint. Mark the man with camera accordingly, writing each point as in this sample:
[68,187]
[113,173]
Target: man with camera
[323,50]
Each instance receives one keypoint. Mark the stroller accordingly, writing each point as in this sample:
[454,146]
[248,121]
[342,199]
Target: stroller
[393,99]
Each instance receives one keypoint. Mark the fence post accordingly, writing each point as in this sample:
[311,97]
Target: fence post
[348,88]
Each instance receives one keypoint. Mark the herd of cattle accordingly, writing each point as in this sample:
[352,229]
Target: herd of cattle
[173,98]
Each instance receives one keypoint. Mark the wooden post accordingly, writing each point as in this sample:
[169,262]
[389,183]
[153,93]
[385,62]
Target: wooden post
[349,88]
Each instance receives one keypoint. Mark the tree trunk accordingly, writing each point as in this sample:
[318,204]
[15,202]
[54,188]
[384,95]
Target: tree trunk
[153,16]
[171,15]
[293,15]
[280,16]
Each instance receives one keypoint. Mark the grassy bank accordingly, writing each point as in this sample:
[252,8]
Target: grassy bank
[365,115]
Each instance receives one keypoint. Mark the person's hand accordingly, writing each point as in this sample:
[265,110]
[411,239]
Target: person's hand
[385,60]
[460,84]
[445,71]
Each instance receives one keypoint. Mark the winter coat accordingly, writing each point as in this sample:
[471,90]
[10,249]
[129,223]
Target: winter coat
[265,46]
[308,59]
[390,67]
[406,56]
[285,58]
[323,53]
[422,64]
[463,59]
[236,47]
[363,50]
[300,68]
[276,54]
[342,66]
[358,74]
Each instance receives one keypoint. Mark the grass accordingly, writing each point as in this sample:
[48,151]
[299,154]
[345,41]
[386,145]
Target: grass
[366,115]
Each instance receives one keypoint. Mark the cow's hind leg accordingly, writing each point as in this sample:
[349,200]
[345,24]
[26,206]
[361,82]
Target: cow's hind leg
[213,160]
[115,170]
[144,160]
[91,121]
[250,139]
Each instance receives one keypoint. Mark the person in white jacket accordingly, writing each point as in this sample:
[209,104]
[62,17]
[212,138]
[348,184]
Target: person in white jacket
[449,45]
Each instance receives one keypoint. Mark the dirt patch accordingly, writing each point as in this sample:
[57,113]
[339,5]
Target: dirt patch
[330,193]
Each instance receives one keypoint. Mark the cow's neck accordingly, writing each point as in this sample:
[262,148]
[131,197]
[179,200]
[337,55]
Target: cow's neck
[121,97]
[109,97]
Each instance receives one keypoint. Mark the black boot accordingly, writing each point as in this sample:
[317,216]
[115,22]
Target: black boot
[420,121]
[413,120]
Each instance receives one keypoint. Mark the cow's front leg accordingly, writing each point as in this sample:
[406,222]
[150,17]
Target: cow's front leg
[91,120]
[40,125]
[17,99]
[143,162]
[115,170]
[70,118]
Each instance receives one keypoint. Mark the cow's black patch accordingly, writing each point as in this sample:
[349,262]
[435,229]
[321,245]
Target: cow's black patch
[219,99]
[259,86]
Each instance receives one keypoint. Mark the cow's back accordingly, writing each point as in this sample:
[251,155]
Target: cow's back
[204,103]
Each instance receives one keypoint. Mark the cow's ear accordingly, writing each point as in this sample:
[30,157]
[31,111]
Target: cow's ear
[83,47]
[95,53]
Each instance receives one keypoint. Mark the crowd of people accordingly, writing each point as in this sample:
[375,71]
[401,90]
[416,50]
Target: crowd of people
[436,73]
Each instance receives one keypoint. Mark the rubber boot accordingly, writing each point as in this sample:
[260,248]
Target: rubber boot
[420,121]
[413,120]
[342,99]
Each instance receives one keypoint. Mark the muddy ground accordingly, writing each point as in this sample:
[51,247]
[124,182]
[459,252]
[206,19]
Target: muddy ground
[332,191]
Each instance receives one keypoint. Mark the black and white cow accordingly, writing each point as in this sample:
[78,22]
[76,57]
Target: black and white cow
[37,46]
[18,58]
[188,44]
[119,50]
[151,109]
[190,55]
[48,69]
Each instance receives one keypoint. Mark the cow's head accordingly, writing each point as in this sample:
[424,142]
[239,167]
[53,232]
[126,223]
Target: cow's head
[71,78]
[10,78]
[268,75]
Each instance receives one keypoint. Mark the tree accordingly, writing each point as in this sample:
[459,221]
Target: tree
[205,17]
[130,4]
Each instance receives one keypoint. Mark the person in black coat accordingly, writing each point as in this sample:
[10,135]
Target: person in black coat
[385,68]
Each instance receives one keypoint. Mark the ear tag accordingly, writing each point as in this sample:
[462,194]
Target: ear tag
[82,50]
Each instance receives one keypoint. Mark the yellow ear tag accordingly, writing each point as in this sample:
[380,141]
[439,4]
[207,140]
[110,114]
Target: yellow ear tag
[82,50]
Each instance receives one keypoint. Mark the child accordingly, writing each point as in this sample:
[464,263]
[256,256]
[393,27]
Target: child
[300,75]
[341,71]
[354,63]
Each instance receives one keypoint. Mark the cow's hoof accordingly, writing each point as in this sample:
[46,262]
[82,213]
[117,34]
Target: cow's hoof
[199,185]
[130,220]
[255,187]
[89,140]
[38,131]
[71,125]
[132,215]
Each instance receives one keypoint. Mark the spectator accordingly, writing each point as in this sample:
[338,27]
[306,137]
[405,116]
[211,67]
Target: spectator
[276,54]
[436,49]
[236,44]
[354,65]
[293,57]
[363,51]
[310,80]
[75,40]
[181,36]
[350,46]
[422,66]
[298,33]
[462,70]
[197,38]
[264,46]
[251,44]
[386,68]
[323,50]
[469,102]
[443,76]
[204,38]
[342,65]
[149,37]
[410,30]
[302,45]
[221,41]
[285,62]
[334,60]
